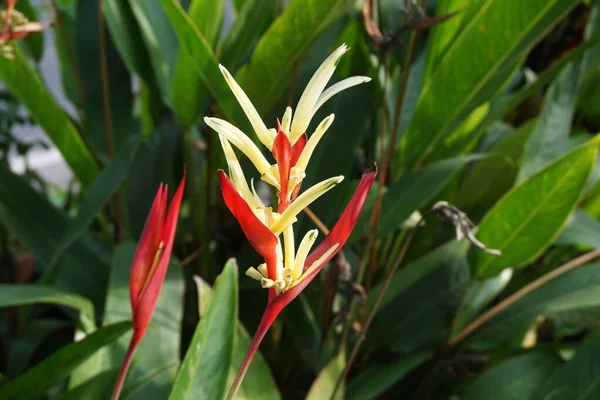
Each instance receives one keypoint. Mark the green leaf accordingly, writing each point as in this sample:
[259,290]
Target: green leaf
[127,37]
[88,49]
[206,365]
[159,349]
[513,379]
[576,290]
[407,276]
[29,339]
[99,387]
[189,90]
[376,379]
[437,282]
[457,87]
[323,386]
[39,226]
[36,380]
[491,177]
[160,40]
[479,294]
[578,379]
[18,295]
[259,381]
[443,35]
[581,229]
[415,190]
[203,59]
[549,138]
[24,82]
[96,198]
[253,18]
[530,216]
[285,42]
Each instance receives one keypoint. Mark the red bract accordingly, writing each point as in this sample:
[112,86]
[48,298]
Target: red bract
[259,236]
[149,268]
[338,235]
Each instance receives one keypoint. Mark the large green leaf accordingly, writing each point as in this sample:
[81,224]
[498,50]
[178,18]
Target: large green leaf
[206,365]
[28,340]
[581,229]
[493,176]
[127,37]
[19,295]
[39,226]
[437,283]
[577,290]
[24,82]
[415,190]
[530,216]
[443,35]
[259,382]
[577,379]
[160,40]
[323,386]
[159,349]
[494,42]
[88,54]
[96,198]
[36,380]
[549,138]
[479,294]
[189,90]
[283,44]
[514,379]
[376,379]
[98,387]
[253,18]
[203,60]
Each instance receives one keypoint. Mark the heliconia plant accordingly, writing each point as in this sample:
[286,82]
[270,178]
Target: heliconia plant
[287,270]
[149,267]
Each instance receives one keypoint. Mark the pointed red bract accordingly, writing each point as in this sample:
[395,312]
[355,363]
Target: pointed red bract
[145,283]
[282,151]
[259,236]
[149,268]
[339,234]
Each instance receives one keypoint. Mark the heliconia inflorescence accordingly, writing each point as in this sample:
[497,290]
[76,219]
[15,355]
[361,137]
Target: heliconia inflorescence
[149,268]
[287,270]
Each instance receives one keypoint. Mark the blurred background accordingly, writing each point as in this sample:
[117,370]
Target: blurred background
[490,106]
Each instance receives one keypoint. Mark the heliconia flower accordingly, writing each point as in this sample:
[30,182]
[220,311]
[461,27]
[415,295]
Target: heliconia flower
[15,24]
[149,268]
[287,270]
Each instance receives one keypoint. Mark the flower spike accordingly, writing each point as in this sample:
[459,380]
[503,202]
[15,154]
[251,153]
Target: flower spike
[287,269]
[149,268]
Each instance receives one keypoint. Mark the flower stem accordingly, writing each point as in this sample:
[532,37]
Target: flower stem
[125,367]
[271,312]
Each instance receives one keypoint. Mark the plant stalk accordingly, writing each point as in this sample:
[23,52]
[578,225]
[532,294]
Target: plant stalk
[271,312]
[125,367]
